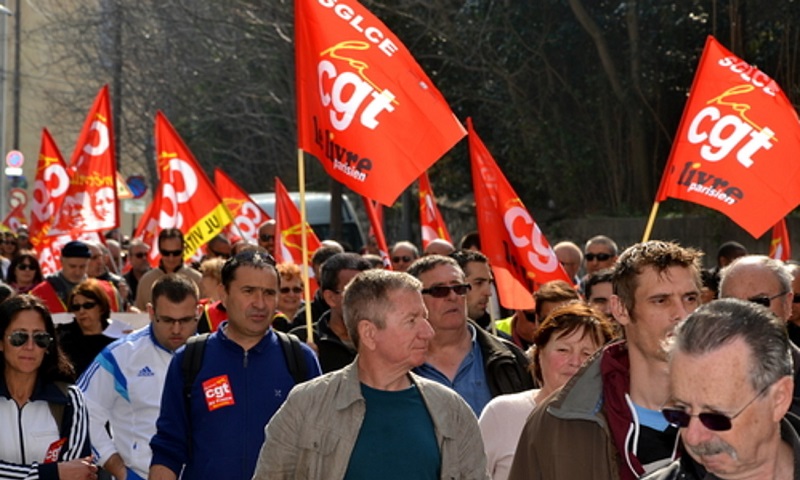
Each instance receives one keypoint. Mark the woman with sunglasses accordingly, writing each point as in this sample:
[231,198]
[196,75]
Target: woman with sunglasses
[24,273]
[291,296]
[83,338]
[566,338]
[44,417]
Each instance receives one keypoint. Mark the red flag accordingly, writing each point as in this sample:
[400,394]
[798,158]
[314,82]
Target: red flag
[90,204]
[365,108]
[738,145]
[430,219]
[147,229]
[247,215]
[289,246]
[188,201]
[519,254]
[50,187]
[780,248]
[376,228]
[15,218]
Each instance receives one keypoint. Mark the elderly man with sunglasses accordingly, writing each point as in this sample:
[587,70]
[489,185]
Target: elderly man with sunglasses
[170,246]
[767,282]
[730,389]
[462,355]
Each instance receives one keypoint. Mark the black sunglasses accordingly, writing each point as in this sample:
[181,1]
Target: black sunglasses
[86,306]
[26,266]
[171,253]
[404,259]
[602,257]
[266,238]
[764,300]
[297,290]
[20,337]
[718,422]
[441,291]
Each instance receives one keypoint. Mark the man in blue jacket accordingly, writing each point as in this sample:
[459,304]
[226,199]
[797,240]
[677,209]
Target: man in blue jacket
[243,379]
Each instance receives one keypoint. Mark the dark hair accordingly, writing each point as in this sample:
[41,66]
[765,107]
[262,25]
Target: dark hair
[92,289]
[428,263]
[254,258]
[470,240]
[329,273]
[29,255]
[730,251]
[554,291]
[6,291]
[657,254]
[720,322]
[463,257]
[565,320]
[175,287]
[168,233]
[323,253]
[55,365]
[601,276]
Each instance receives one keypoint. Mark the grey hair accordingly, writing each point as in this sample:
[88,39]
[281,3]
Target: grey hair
[721,322]
[603,240]
[777,267]
[366,297]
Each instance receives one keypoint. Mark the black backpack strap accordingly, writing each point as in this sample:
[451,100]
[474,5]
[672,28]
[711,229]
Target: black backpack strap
[293,352]
[190,367]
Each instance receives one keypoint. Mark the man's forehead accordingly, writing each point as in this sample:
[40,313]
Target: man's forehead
[750,280]
[599,248]
[185,308]
[442,274]
[477,269]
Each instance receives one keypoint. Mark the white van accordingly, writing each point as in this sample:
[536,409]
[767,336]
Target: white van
[318,215]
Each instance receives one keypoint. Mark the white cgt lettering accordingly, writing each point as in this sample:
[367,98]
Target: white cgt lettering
[345,107]
[724,134]
[539,255]
[54,184]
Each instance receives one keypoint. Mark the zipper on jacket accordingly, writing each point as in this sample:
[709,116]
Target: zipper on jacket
[21,437]
[245,359]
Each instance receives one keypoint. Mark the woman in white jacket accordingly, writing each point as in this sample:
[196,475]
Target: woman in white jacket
[45,432]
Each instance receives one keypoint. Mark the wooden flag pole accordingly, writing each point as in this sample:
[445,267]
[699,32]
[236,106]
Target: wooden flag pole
[649,228]
[301,180]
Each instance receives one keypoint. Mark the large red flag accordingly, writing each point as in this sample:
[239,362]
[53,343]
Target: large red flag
[780,248]
[738,145]
[376,229]
[15,218]
[520,256]
[90,204]
[247,215]
[430,219]
[188,201]
[365,108]
[289,246]
[50,187]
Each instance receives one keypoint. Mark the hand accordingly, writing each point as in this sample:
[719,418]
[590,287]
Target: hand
[78,469]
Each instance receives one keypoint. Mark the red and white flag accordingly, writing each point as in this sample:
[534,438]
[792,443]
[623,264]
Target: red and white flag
[187,198]
[15,218]
[147,229]
[430,219]
[247,215]
[289,241]
[90,203]
[780,248]
[520,256]
[365,108]
[737,150]
[374,214]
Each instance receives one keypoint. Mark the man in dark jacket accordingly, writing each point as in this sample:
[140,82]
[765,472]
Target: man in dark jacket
[731,386]
[462,355]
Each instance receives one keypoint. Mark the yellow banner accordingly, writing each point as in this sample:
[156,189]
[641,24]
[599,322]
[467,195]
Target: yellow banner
[204,230]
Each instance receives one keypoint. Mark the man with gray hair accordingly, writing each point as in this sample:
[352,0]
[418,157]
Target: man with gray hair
[375,415]
[730,389]
[761,280]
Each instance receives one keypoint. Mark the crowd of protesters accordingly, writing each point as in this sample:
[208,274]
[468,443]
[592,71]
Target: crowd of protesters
[631,369]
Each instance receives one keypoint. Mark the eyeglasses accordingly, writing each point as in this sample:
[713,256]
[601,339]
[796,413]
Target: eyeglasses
[266,238]
[176,321]
[441,291]
[26,266]
[171,253]
[718,422]
[764,300]
[601,257]
[86,306]
[404,259]
[296,290]
[19,338]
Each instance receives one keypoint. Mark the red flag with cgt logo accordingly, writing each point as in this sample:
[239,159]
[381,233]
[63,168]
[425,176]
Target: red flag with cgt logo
[365,108]
[738,145]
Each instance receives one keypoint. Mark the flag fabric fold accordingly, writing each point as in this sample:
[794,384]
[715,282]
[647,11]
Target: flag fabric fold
[737,149]
[247,215]
[430,219]
[15,218]
[49,189]
[365,108]
[780,248]
[519,254]
[289,241]
[376,229]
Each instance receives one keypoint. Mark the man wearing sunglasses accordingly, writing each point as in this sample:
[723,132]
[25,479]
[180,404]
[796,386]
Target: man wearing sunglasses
[123,385]
[266,236]
[461,355]
[606,423]
[730,389]
[170,246]
[402,254]
[600,252]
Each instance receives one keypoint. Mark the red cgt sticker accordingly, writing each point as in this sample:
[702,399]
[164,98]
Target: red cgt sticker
[218,392]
